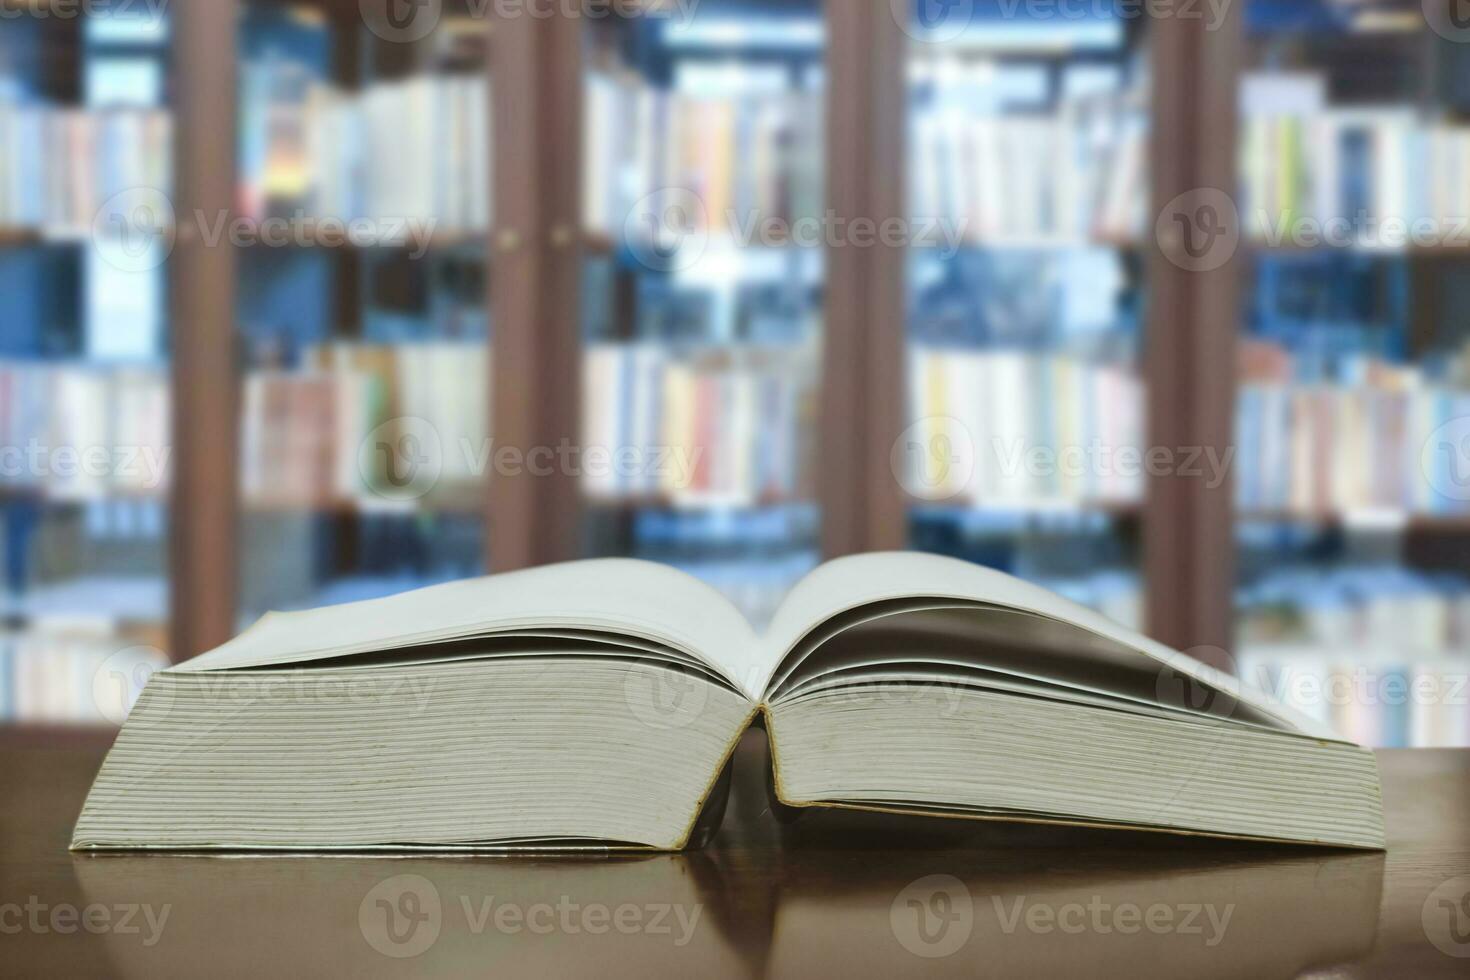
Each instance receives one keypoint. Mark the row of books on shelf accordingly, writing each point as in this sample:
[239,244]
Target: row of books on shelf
[1357,607]
[416,148]
[1022,429]
[1380,651]
[365,425]
[752,555]
[82,598]
[1113,592]
[1303,158]
[83,432]
[1378,437]
[72,678]
[707,427]
[59,166]
[1075,174]
[755,586]
[1376,699]
[757,154]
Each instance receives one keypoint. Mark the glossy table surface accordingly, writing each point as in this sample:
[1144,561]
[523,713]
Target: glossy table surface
[834,894]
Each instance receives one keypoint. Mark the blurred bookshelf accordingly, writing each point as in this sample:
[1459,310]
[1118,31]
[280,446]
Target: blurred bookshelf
[1352,583]
[84,369]
[362,341]
[1027,141]
[702,343]
[711,389]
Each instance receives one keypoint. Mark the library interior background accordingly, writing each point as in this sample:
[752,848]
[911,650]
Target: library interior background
[413,361]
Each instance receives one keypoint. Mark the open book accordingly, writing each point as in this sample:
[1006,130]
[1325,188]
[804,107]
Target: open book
[598,702]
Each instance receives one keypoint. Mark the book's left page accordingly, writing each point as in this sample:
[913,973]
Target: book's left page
[636,600]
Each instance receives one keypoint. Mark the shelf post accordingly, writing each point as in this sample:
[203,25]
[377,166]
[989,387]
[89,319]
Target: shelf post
[534,289]
[863,346]
[1190,344]
[205,481]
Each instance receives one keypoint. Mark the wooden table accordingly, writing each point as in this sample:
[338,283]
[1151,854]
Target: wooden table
[835,894]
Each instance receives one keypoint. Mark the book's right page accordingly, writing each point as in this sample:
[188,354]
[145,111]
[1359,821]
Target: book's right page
[849,592]
[919,684]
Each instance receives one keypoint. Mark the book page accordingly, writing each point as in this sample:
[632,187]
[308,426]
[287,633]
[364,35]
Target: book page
[621,596]
[861,580]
